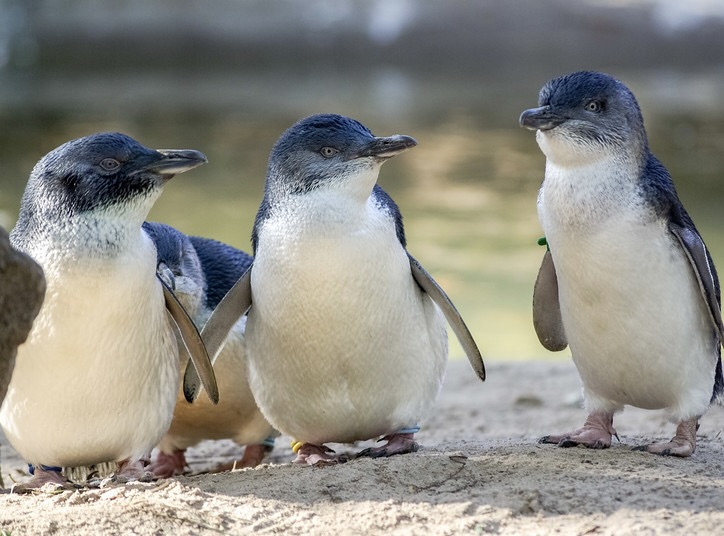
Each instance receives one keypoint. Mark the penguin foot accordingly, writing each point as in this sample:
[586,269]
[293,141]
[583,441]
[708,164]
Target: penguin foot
[595,433]
[133,472]
[53,479]
[396,444]
[317,455]
[253,456]
[168,465]
[682,445]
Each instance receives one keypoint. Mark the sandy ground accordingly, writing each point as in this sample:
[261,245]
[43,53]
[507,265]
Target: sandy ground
[480,471]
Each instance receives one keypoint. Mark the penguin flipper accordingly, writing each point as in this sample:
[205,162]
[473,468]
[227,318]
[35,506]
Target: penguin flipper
[193,342]
[547,319]
[438,295]
[230,309]
[700,261]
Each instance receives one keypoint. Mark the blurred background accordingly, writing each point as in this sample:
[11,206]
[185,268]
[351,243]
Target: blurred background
[227,77]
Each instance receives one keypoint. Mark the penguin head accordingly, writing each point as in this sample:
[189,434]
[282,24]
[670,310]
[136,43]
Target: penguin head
[584,116]
[329,151]
[106,177]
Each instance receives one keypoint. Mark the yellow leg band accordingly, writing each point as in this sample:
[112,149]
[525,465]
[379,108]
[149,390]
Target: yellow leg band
[296,445]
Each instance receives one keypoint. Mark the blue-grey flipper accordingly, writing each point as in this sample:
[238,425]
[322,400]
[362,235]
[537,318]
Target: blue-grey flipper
[193,342]
[547,319]
[230,309]
[698,256]
[429,285]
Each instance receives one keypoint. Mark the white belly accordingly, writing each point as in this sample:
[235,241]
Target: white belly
[96,380]
[342,344]
[636,322]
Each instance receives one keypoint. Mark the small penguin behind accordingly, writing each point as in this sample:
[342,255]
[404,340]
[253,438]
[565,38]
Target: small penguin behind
[97,378]
[627,281]
[200,271]
[346,338]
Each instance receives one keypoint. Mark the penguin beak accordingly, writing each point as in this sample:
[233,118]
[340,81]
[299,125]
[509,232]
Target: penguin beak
[384,148]
[169,162]
[540,119]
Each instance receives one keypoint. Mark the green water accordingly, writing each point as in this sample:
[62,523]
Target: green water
[467,192]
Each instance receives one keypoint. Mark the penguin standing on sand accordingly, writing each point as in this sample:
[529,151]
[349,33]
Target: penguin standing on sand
[346,338]
[96,380]
[627,282]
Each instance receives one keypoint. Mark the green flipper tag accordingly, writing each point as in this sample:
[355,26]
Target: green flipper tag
[543,242]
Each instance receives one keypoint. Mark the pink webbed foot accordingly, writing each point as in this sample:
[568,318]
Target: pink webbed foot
[683,444]
[317,455]
[168,465]
[42,477]
[253,456]
[596,433]
[133,471]
[396,444]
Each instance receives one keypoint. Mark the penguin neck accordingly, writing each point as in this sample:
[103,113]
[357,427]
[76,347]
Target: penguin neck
[324,209]
[334,200]
[102,235]
[579,197]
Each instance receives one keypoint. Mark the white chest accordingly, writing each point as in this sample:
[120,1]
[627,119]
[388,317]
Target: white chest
[339,325]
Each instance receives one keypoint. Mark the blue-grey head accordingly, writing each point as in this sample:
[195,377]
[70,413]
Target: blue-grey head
[584,116]
[328,151]
[331,155]
[93,187]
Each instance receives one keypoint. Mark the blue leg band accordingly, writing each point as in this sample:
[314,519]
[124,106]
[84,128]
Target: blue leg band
[31,468]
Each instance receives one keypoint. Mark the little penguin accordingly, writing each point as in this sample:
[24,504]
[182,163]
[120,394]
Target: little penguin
[200,272]
[627,281]
[346,337]
[96,380]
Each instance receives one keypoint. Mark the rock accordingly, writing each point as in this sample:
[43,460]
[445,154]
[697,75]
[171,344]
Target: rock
[22,288]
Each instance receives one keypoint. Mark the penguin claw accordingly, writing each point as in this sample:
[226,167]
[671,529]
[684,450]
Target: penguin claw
[680,450]
[44,481]
[596,433]
[133,472]
[596,444]
[317,455]
[396,444]
[682,445]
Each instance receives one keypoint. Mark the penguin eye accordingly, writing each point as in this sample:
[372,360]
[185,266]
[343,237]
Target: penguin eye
[110,164]
[328,152]
[594,106]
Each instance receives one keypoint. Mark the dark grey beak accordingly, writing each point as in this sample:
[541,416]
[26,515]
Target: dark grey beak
[386,147]
[540,119]
[175,161]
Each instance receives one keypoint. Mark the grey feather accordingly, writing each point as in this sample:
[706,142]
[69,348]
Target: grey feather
[230,309]
[438,295]
[194,345]
[695,251]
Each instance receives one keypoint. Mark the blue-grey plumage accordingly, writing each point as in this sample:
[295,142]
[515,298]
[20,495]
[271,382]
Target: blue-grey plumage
[201,271]
[346,338]
[627,283]
[96,379]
